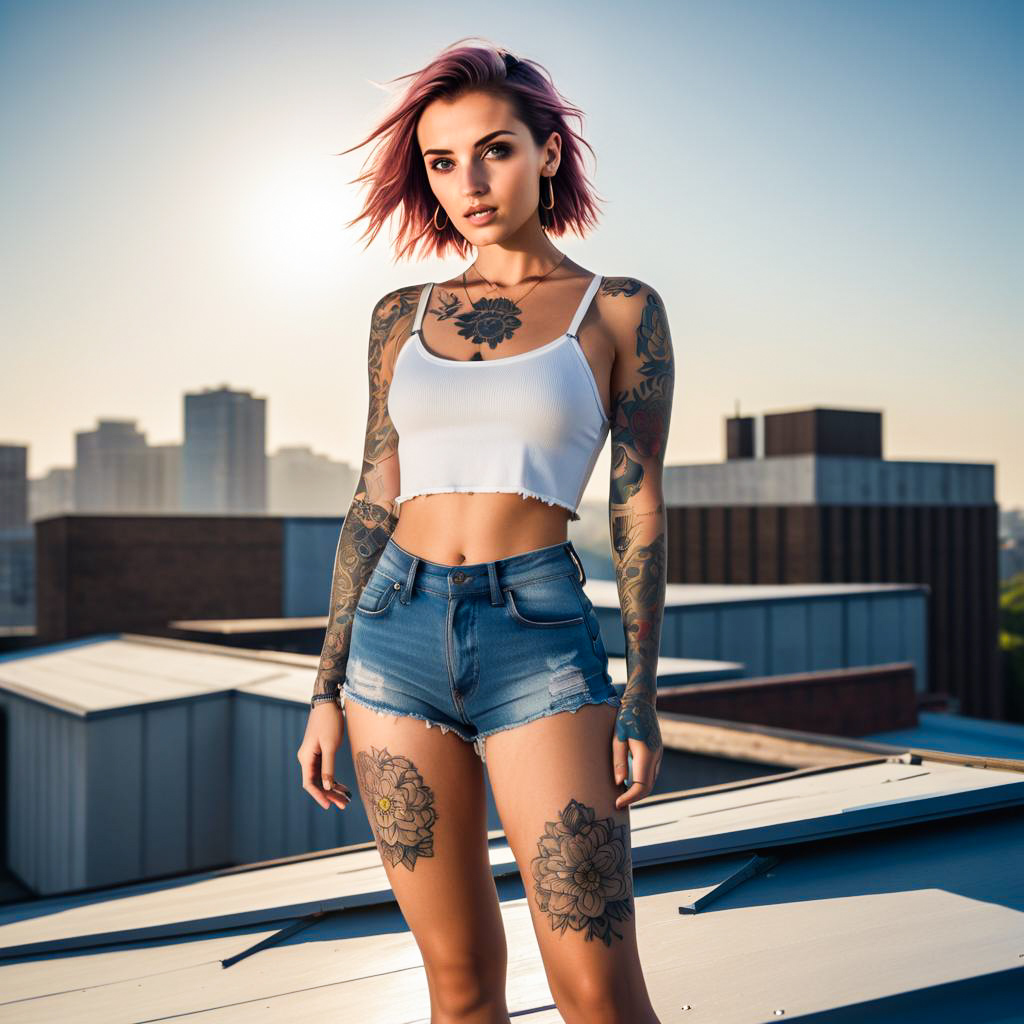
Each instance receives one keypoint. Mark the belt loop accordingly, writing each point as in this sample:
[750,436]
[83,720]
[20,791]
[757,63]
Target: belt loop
[492,573]
[407,590]
[576,559]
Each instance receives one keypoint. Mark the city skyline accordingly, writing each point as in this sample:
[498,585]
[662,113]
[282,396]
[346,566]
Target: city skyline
[221,463]
[845,229]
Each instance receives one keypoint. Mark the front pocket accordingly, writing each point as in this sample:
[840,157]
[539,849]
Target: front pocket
[593,624]
[377,596]
[546,603]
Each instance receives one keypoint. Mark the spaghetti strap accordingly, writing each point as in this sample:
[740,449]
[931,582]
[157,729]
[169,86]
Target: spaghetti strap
[581,310]
[422,307]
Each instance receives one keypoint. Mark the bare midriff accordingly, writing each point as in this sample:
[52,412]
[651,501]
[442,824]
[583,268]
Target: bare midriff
[455,529]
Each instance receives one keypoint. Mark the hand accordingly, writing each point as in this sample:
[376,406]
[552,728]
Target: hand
[324,732]
[636,732]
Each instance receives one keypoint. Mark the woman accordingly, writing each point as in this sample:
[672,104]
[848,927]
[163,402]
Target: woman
[459,626]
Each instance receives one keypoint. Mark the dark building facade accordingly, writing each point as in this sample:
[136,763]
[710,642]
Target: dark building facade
[806,497]
[113,574]
[100,574]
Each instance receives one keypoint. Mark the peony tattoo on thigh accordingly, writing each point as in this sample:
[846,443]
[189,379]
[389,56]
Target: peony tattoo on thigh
[400,807]
[582,874]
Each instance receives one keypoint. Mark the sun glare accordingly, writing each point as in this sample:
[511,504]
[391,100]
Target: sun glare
[293,225]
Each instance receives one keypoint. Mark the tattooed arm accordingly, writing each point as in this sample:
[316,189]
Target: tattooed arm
[642,382]
[371,517]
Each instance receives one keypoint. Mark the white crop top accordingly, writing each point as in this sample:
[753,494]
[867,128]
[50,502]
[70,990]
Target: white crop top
[530,424]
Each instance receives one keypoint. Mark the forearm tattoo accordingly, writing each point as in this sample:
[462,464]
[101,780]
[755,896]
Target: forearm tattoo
[642,407]
[371,519]
[582,874]
[399,806]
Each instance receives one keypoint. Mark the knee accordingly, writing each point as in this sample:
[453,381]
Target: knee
[462,988]
[594,997]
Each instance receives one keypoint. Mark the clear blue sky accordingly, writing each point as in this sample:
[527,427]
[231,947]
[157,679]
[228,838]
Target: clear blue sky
[826,195]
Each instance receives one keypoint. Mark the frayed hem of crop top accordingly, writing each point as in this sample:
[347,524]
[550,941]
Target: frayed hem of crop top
[493,490]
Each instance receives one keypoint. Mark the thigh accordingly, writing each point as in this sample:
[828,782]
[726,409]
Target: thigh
[554,789]
[424,794]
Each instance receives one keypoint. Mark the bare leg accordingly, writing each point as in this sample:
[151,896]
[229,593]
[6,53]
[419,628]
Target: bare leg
[425,797]
[553,786]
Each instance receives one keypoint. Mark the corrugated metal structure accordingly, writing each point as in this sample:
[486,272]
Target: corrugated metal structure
[159,756]
[111,751]
[881,891]
[775,629]
[124,734]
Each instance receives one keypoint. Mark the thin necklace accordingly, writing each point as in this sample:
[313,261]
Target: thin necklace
[515,302]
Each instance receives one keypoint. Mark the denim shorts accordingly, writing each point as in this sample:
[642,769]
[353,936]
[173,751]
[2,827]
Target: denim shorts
[480,647]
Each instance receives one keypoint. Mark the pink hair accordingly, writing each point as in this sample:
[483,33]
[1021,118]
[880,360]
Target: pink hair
[396,173]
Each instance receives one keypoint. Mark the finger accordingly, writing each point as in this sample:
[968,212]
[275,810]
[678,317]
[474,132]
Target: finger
[312,782]
[620,760]
[309,783]
[634,793]
[643,776]
[327,767]
[646,771]
[327,779]
[339,799]
[341,790]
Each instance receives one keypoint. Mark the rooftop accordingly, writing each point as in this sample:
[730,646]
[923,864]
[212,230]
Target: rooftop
[891,874]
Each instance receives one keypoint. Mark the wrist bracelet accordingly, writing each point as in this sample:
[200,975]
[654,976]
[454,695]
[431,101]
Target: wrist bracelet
[323,698]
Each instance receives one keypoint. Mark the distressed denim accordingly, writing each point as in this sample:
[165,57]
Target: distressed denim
[480,647]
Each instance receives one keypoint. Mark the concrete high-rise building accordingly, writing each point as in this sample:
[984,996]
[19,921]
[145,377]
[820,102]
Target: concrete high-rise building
[53,494]
[118,472]
[13,486]
[162,478]
[109,469]
[224,465]
[807,497]
[17,593]
[303,483]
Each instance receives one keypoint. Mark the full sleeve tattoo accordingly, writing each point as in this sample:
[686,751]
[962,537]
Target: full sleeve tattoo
[371,518]
[642,386]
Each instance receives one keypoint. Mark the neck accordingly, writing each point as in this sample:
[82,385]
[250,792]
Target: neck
[524,256]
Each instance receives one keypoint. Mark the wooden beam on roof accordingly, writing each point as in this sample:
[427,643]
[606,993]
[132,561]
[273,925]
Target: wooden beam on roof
[723,739]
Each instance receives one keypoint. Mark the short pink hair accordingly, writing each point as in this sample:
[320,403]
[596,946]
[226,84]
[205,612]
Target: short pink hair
[396,174]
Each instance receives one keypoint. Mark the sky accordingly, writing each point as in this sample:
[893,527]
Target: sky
[825,194]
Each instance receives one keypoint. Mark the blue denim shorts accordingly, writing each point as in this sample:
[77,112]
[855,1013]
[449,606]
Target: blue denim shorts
[480,647]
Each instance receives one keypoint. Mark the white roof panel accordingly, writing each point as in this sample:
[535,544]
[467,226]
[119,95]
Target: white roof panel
[831,926]
[776,811]
[119,673]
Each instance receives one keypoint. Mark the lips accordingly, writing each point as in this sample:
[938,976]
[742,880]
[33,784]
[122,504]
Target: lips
[479,209]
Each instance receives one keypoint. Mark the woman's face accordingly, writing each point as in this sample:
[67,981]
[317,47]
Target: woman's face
[477,153]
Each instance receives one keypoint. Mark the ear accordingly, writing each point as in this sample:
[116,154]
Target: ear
[552,153]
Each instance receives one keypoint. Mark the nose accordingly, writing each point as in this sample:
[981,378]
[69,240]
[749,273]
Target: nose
[474,184]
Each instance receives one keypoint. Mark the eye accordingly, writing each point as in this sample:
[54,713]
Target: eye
[503,148]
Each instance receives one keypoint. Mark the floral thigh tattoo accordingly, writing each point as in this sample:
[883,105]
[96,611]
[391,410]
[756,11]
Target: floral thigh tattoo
[582,876]
[400,807]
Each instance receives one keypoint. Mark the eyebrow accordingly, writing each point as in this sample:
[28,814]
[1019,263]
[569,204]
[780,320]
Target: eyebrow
[479,142]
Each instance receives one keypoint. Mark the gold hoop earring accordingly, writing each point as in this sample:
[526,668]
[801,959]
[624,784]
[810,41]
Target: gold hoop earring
[440,227]
[551,193]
